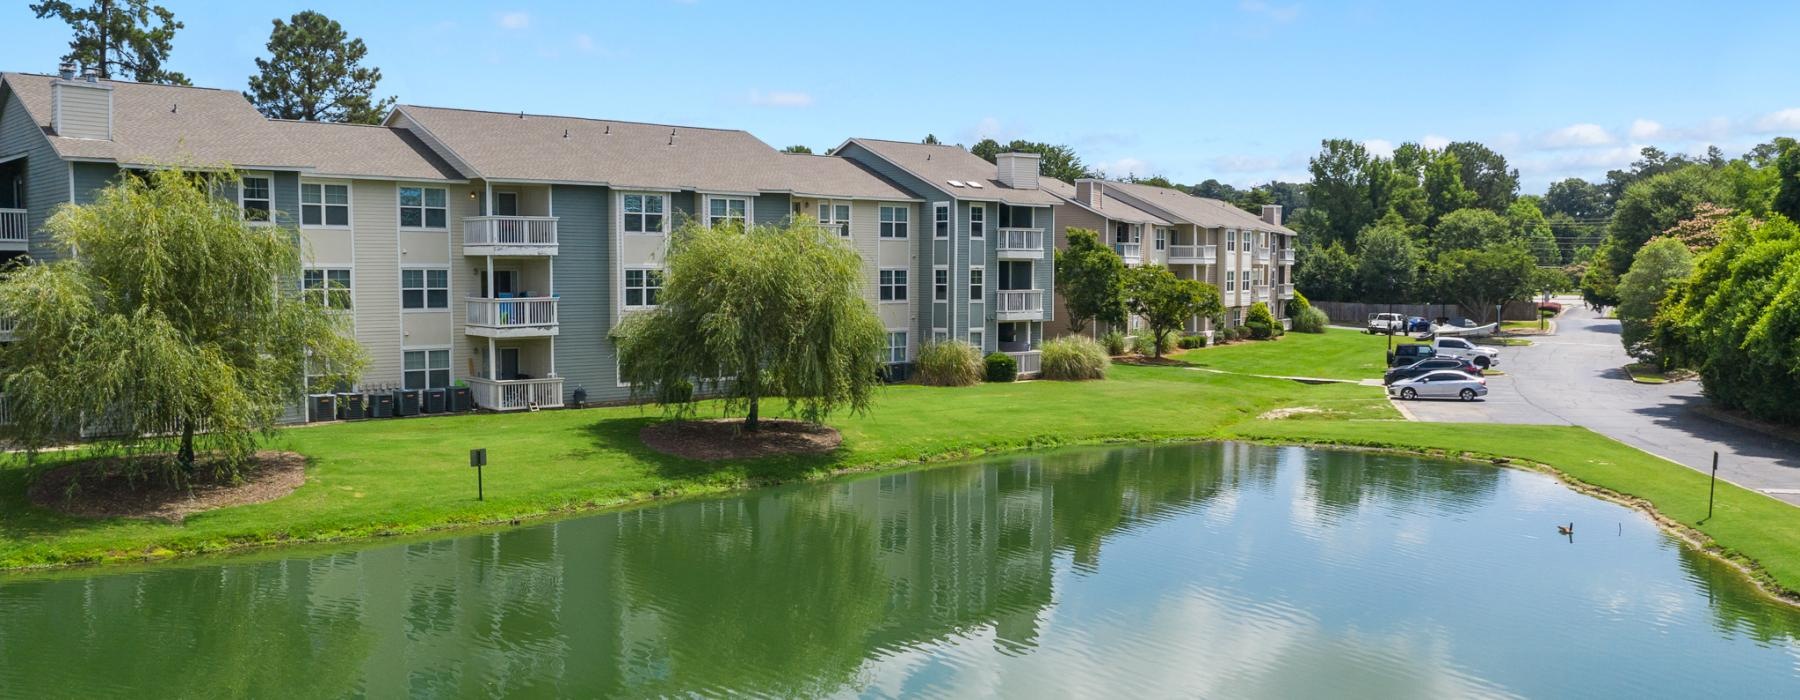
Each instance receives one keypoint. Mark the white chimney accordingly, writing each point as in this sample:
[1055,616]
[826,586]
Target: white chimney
[1018,170]
[81,109]
[1090,192]
[1272,214]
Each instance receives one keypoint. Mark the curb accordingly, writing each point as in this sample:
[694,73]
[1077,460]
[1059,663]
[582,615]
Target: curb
[1756,426]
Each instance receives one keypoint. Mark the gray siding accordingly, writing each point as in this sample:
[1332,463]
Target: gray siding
[584,281]
[772,208]
[46,175]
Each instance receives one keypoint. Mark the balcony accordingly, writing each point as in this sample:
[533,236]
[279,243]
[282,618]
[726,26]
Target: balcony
[509,235]
[516,394]
[1285,291]
[1287,256]
[529,317]
[1262,254]
[1020,244]
[1261,294]
[15,229]
[1193,254]
[1030,361]
[1133,253]
[1019,305]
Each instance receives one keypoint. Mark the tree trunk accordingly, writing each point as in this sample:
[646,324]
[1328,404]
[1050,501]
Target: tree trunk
[186,455]
[1077,325]
[751,424]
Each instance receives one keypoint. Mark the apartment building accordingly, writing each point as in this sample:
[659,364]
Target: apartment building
[986,242]
[1248,258]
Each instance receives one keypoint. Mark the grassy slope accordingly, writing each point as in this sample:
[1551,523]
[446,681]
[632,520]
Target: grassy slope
[1745,523]
[406,475]
[1335,354]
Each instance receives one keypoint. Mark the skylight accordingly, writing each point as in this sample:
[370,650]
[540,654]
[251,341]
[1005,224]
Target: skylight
[955,183]
[974,184]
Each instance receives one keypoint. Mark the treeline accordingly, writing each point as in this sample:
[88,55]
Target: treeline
[314,70]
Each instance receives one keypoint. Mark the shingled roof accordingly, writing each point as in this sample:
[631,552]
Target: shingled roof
[1200,211]
[363,150]
[165,125]
[1110,207]
[939,164]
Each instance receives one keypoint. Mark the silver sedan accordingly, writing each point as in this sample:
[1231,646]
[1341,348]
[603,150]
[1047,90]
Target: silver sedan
[1447,384]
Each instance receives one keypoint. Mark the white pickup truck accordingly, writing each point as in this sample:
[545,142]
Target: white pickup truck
[1463,349]
[1392,324]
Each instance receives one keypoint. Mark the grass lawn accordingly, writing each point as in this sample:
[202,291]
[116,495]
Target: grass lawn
[1335,354]
[397,476]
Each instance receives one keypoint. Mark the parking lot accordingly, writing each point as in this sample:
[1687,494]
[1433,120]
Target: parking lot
[1575,378]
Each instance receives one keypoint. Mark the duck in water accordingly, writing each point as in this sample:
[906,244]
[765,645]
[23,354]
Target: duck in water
[1565,529]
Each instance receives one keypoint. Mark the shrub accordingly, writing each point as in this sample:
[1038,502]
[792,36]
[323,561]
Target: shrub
[1074,358]
[1145,344]
[1260,322]
[949,363]
[1001,367]
[1113,342]
[1311,320]
[1190,342]
[1298,304]
[1551,307]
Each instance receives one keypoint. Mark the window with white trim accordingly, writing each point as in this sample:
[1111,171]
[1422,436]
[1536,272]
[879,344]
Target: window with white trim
[977,282]
[326,286]
[893,284]
[977,221]
[728,210]
[835,217]
[1230,240]
[975,339]
[1231,280]
[893,221]
[426,369]
[939,335]
[424,208]
[643,286]
[254,196]
[424,288]
[1162,238]
[645,213]
[896,347]
[940,284]
[324,205]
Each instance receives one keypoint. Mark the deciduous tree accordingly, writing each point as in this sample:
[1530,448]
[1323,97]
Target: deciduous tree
[1166,303]
[1387,264]
[1482,278]
[1326,272]
[314,72]
[1090,279]
[1658,266]
[1736,319]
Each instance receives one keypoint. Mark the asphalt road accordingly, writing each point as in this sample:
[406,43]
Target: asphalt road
[1575,378]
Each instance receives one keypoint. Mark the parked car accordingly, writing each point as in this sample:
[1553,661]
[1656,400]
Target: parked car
[1404,355]
[1386,323]
[1442,384]
[1417,324]
[1428,366]
[1476,354]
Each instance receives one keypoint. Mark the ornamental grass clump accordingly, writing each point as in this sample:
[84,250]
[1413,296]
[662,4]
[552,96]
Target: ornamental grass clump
[1311,320]
[1074,358]
[949,363]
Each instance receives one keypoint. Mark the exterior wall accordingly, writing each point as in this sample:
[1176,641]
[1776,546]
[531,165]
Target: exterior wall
[1069,216]
[46,175]
[584,271]
[81,110]
[375,279]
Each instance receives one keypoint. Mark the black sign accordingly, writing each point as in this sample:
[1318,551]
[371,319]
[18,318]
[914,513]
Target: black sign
[478,457]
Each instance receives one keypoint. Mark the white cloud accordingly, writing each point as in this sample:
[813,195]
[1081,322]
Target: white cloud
[515,20]
[584,42]
[1278,13]
[1379,147]
[1784,120]
[1644,129]
[1245,164]
[780,98]
[988,128]
[1126,167]
[1577,136]
[1434,141]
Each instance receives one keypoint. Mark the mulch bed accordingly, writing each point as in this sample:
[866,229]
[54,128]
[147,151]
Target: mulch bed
[103,489]
[1144,361]
[724,438]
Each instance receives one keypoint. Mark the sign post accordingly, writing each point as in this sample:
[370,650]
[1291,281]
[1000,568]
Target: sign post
[478,459]
[1713,485]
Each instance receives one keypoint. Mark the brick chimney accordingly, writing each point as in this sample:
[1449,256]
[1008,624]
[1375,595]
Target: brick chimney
[1017,170]
[1090,192]
[1272,214]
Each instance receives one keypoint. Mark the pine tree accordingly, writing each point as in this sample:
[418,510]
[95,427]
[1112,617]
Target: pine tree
[314,72]
[116,38]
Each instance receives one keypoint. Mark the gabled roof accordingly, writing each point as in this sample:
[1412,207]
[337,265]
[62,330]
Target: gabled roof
[165,125]
[1200,211]
[832,177]
[363,150]
[938,164]
[1110,207]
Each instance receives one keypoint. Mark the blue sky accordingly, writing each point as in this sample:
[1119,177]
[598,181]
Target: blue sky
[1238,90]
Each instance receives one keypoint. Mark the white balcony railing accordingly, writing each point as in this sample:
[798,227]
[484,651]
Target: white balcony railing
[516,394]
[509,235]
[1030,361]
[1023,243]
[1193,254]
[1287,256]
[15,228]
[1019,304]
[1262,254]
[1133,253]
[1285,291]
[1261,293]
[511,318]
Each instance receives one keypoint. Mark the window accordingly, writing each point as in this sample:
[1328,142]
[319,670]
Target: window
[327,287]
[975,285]
[727,210]
[255,199]
[893,222]
[940,284]
[1230,280]
[644,213]
[424,207]
[977,221]
[424,288]
[642,287]
[893,284]
[975,338]
[896,347]
[427,369]
[939,335]
[835,217]
[1162,238]
[1015,217]
[324,205]
[1230,240]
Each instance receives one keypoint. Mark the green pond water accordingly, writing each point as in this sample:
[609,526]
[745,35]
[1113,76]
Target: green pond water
[1220,570]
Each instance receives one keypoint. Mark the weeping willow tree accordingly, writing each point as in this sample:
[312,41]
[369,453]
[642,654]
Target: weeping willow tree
[749,314]
[167,324]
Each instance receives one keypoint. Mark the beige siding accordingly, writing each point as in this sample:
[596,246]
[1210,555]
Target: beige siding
[420,329]
[328,247]
[376,280]
[425,247]
[82,111]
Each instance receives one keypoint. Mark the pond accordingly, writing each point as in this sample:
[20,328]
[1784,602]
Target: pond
[1195,570]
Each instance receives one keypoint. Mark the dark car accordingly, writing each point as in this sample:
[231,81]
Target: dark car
[1417,324]
[1407,354]
[1430,365]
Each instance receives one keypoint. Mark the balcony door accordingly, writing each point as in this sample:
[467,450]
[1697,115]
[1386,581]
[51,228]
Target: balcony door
[509,363]
[505,204]
[1015,274]
[505,282]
